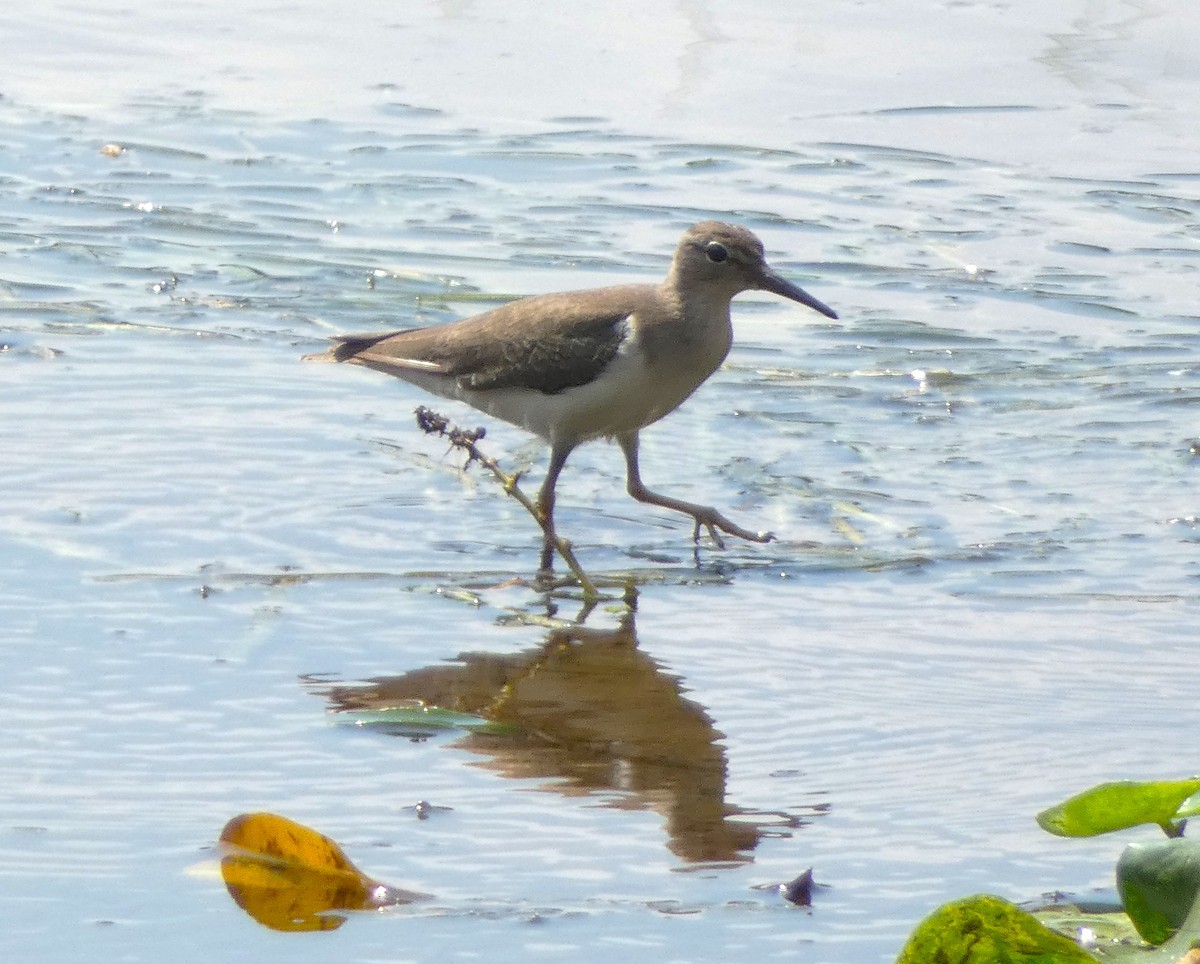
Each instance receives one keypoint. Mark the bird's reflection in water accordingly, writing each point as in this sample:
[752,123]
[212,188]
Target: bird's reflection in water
[590,713]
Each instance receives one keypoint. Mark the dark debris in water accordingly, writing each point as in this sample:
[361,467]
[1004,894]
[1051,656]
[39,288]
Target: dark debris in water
[799,891]
[423,809]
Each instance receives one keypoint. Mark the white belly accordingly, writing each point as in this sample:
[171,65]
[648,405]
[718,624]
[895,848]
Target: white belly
[628,396]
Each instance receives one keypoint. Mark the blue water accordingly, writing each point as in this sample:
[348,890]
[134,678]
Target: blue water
[982,475]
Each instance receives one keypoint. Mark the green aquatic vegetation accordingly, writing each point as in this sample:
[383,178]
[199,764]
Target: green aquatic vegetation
[987,930]
[1159,886]
[1118,806]
[1159,883]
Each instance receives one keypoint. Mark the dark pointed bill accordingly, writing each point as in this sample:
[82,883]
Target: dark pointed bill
[770,281]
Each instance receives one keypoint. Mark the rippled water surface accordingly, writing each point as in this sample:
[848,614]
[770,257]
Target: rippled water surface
[983,479]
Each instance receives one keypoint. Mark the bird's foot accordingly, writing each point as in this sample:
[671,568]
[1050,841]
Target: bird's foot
[704,515]
[712,520]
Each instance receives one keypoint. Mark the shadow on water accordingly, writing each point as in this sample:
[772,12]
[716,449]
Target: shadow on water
[587,713]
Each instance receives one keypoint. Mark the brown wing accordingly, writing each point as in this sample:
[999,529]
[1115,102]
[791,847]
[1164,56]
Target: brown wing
[549,343]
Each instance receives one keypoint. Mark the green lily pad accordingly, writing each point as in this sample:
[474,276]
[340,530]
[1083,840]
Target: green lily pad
[1100,931]
[1118,806]
[1159,884]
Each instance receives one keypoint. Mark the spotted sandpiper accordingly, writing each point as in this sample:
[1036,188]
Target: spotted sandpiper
[583,365]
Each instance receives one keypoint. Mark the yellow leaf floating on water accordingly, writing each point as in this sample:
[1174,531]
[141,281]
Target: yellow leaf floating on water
[289,877]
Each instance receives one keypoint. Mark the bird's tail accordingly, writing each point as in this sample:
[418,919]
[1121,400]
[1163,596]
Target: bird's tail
[347,346]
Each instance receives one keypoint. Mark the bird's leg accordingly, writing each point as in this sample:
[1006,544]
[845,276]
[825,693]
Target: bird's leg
[706,516]
[545,504]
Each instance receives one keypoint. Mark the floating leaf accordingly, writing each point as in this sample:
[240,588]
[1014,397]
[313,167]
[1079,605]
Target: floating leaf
[1117,806]
[1159,884]
[987,930]
[290,878]
[416,719]
[1091,926]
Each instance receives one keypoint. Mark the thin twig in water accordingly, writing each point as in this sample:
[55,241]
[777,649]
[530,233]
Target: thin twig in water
[433,423]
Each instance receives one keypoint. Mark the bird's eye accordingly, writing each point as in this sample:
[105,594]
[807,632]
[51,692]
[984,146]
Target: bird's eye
[716,252]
